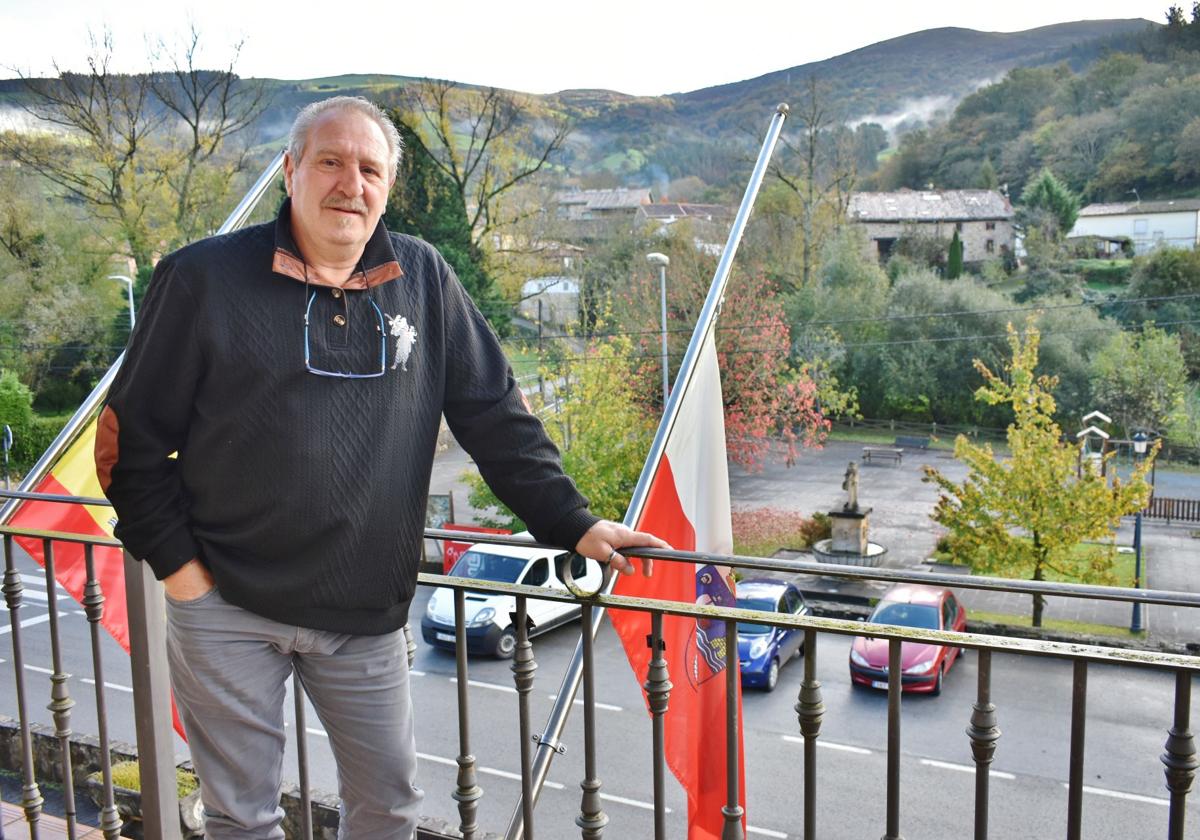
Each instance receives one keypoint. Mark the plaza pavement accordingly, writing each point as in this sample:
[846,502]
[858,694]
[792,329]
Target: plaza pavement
[900,505]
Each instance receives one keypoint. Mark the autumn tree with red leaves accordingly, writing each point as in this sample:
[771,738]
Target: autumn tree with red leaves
[767,397]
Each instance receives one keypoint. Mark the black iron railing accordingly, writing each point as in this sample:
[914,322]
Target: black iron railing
[144,603]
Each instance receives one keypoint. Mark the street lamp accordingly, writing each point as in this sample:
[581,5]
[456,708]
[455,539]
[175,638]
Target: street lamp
[129,293]
[1140,443]
[662,261]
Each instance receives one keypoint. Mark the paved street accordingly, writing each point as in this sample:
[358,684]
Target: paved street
[901,503]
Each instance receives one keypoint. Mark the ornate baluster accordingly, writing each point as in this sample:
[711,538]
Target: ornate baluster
[658,694]
[1180,755]
[60,695]
[468,792]
[984,733]
[895,686]
[733,678]
[93,607]
[523,667]
[301,715]
[592,818]
[810,711]
[31,797]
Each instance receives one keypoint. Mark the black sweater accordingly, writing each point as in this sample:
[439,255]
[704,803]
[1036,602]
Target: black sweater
[303,494]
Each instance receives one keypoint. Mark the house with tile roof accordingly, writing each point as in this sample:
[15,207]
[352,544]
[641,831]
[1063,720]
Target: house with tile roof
[1147,225]
[983,219]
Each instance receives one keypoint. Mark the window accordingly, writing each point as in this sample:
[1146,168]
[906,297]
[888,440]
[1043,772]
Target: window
[578,566]
[948,614]
[991,246]
[538,573]
[792,602]
[990,226]
[958,226]
[1140,226]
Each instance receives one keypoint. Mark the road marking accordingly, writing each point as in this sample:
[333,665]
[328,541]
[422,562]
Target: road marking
[492,686]
[608,707]
[29,622]
[964,768]
[1116,794]
[417,673]
[766,832]
[39,670]
[504,774]
[830,745]
[636,803]
[113,686]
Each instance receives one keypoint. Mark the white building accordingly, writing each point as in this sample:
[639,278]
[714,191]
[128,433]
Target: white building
[558,298]
[1147,224]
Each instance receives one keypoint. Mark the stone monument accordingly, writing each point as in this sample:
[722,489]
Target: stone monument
[848,541]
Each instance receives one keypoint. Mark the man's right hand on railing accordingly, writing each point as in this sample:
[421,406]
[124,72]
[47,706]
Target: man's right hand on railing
[191,581]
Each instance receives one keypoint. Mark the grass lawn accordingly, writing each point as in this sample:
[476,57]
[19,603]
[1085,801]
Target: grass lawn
[1053,624]
[524,360]
[1122,568]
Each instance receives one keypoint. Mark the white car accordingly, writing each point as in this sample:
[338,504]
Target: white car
[488,615]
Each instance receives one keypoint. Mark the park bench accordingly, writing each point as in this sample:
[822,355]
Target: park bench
[876,452]
[912,442]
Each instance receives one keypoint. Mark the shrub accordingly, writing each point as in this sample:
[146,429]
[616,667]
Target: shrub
[763,531]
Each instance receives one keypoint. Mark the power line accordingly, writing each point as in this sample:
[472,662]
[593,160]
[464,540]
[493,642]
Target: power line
[871,319]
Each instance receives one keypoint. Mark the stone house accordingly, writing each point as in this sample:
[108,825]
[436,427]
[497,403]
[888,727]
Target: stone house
[1146,224]
[983,219]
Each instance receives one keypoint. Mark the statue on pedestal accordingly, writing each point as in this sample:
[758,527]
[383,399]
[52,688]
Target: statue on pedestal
[850,485]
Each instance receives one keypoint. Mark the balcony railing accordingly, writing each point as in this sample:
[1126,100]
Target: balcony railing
[153,712]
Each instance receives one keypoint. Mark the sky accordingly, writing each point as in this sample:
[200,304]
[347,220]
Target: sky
[538,46]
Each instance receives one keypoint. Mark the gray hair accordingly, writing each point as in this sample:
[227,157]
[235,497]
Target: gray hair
[312,112]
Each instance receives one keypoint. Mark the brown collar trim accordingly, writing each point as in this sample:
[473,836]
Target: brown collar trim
[289,265]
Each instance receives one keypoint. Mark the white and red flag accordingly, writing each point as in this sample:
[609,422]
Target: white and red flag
[688,506]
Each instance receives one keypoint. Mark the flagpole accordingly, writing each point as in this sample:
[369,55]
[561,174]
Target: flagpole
[91,406]
[549,740]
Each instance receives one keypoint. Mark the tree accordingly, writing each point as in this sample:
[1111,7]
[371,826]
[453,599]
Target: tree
[115,145]
[767,396]
[425,203]
[954,260]
[822,178]
[601,427]
[1026,514]
[1141,379]
[485,142]
[1047,193]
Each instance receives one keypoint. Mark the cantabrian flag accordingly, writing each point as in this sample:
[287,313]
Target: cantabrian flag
[688,506]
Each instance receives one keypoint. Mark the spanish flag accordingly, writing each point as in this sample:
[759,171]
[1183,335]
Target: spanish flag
[74,474]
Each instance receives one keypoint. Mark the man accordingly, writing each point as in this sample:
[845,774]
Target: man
[299,370]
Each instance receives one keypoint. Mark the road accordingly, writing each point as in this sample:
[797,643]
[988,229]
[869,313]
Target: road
[1128,714]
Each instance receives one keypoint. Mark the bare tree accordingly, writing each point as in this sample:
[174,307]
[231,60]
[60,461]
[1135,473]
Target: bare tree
[211,106]
[486,142]
[110,144]
[819,178]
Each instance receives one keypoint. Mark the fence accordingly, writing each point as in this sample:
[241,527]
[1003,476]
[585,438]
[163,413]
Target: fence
[1179,510]
[144,601]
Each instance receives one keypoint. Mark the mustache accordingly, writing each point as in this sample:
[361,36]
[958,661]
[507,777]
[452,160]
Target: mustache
[354,205]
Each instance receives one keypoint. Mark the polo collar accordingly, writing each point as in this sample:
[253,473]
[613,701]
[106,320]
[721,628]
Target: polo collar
[378,258]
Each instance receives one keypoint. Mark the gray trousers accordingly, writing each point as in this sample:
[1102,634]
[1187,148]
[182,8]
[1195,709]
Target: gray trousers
[229,669]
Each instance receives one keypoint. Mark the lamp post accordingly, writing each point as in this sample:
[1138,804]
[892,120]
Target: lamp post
[662,261]
[128,292]
[1140,443]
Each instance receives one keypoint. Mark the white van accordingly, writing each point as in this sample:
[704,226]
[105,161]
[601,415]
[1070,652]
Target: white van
[488,615]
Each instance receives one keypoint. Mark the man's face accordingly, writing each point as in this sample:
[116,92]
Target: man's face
[339,186]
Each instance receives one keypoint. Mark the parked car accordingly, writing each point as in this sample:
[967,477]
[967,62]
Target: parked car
[923,666]
[762,648]
[488,614]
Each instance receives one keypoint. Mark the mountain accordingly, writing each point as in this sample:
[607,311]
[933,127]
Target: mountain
[707,132]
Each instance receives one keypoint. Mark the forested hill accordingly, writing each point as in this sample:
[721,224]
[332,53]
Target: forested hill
[707,132]
[882,77]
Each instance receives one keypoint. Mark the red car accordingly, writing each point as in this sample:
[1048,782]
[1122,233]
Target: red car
[922,665]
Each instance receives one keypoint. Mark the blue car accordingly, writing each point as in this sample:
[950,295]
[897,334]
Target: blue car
[762,648]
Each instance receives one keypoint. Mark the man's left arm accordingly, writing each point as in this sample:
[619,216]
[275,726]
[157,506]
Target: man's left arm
[490,418]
